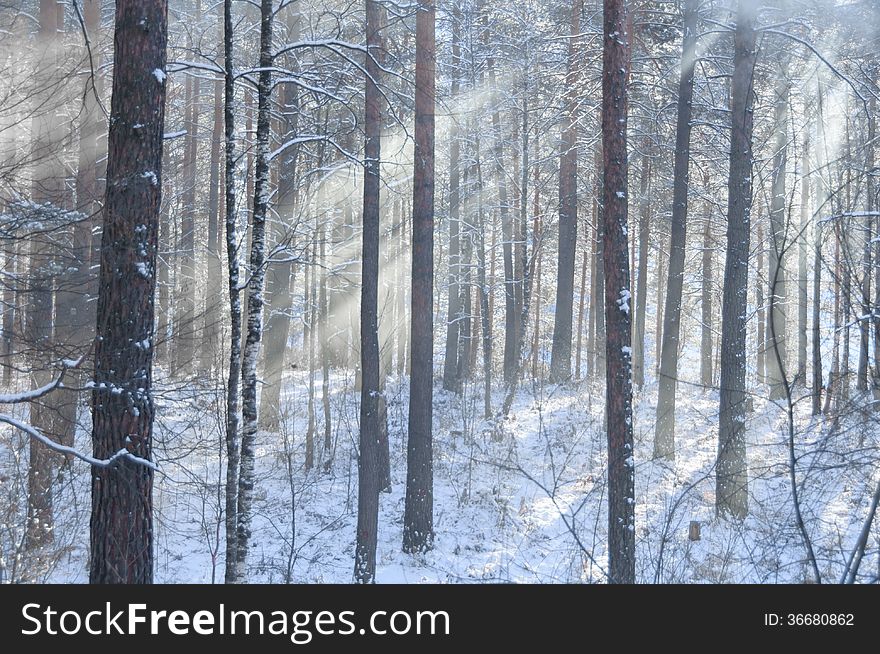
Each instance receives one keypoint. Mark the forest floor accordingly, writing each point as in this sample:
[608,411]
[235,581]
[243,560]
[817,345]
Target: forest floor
[520,501]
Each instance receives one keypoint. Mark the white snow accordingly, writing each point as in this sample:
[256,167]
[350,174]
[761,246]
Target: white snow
[624,299]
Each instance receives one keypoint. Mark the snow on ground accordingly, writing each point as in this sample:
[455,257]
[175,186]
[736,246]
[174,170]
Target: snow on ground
[522,501]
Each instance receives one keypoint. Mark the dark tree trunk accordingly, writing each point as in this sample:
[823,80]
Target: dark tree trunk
[369,473]
[418,520]
[618,300]
[279,275]
[560,356]
[664,436]
[232,267]
[122,404]
[731,471]
[257,272]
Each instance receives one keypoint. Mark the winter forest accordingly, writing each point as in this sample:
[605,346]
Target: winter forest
[407,291]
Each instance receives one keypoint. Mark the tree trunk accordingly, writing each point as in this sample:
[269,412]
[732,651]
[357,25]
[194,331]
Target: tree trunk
[369,483]
[585,256]
[731,492]
[760,304]
[232,266]
[618,298]
[122,404]
[279,275]
[209,347]
[664,436]
[47,195]
[418,521]
[560,356]
[257,273]
[777,342]
[706,305]
[451,381]
[642,290]
[803,248]
[185,305]
[868,226]
[599,277]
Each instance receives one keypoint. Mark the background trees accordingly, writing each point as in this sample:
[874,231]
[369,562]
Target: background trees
[509,235]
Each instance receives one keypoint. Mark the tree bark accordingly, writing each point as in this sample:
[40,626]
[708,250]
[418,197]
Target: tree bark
[418,520]
[368,455]
[257,273]
[232,268]
[560,356]
[664,436]
[618,298]
[122,403]
[731,492]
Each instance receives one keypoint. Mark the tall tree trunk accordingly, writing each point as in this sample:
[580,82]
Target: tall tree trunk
[731,493]
[760,304]
[664,436]
[618,298]
[257,273]
[185,313]
[598,305]
[418,520]
[803,248]
[706,305]
[451,381]
[585,257]
[560,356]
[209,348]
[369,483]
[84,281]
[642,289]
[47,195]
[777,342]
[122,509]
[872,206]
[327,454]
[232,268]
[507,230]
[868,226]
[312,317]
[279,275]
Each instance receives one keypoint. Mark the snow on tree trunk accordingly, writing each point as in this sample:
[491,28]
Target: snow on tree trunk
[618,299]
[122,403]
